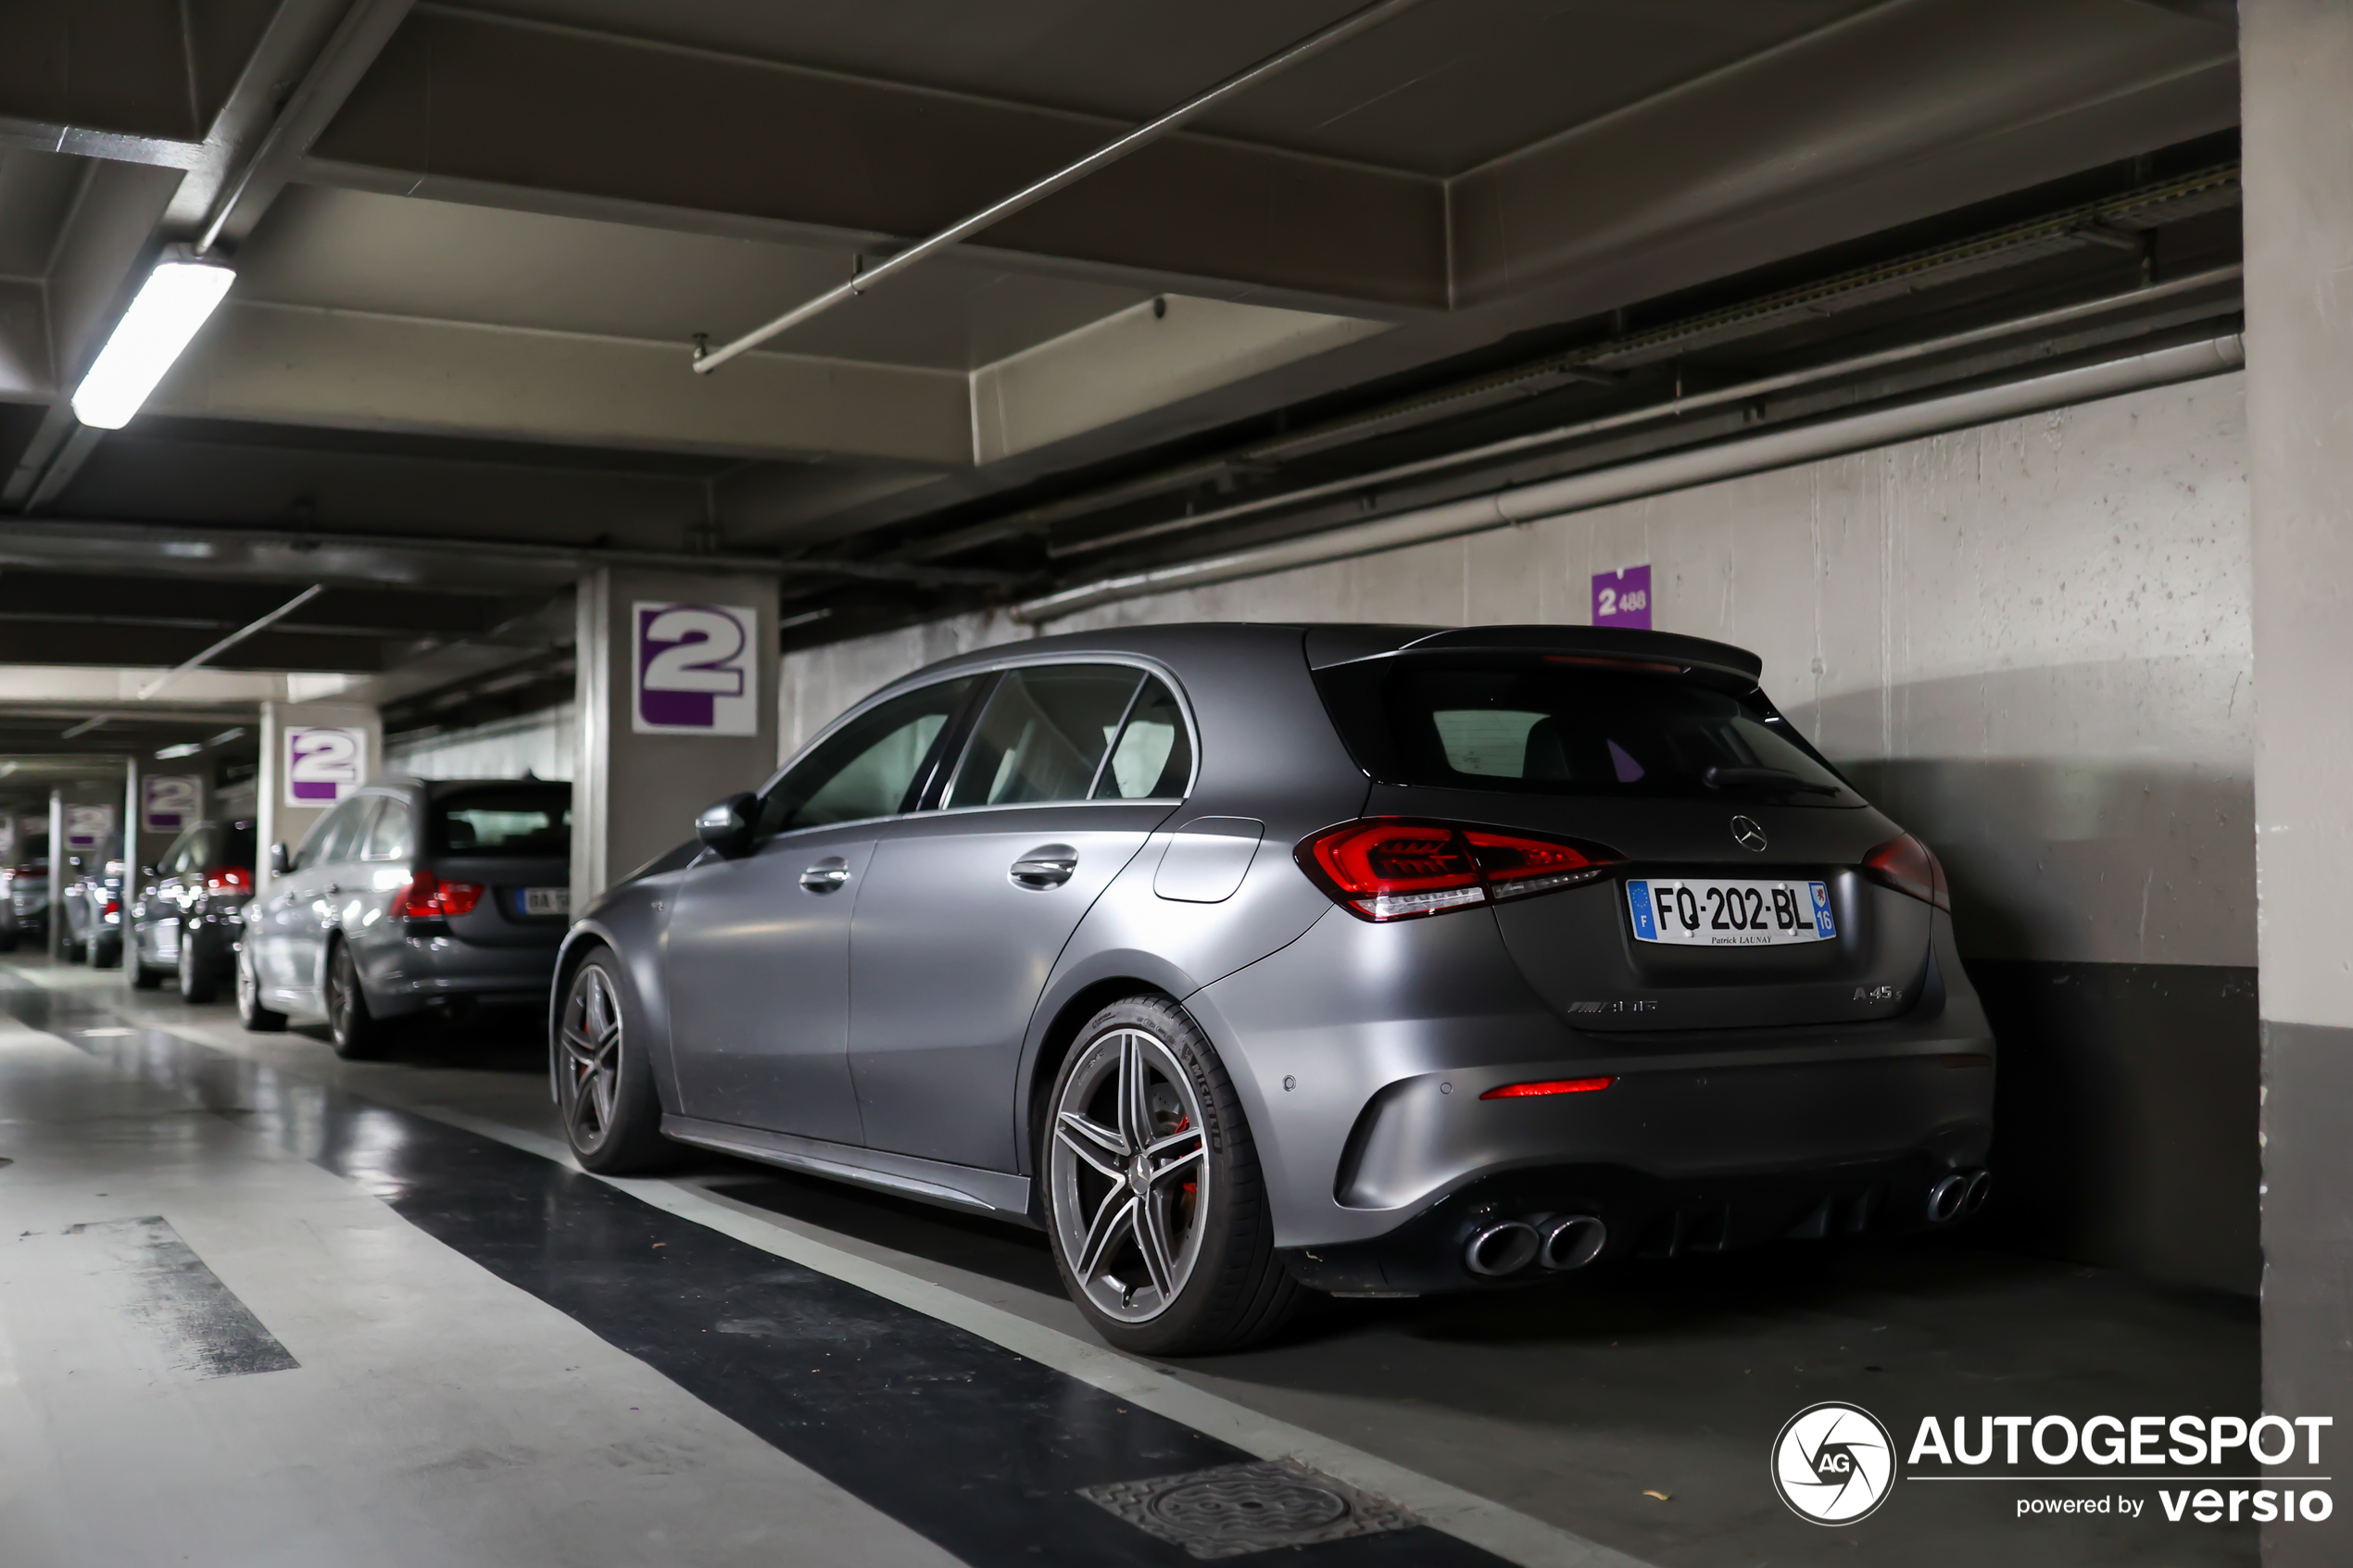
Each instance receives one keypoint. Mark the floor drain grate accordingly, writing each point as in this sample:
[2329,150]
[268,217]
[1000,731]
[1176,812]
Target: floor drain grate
[1237,1509]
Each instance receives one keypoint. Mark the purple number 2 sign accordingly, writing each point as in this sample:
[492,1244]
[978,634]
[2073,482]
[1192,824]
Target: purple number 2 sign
[1623,598]
[697,670]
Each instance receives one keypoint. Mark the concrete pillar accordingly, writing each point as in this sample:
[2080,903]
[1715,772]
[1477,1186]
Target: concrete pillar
[2296,75]
[677,707]
[56,925]
[312,755]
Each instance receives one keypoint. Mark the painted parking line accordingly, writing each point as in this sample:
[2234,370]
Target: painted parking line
[974,1427]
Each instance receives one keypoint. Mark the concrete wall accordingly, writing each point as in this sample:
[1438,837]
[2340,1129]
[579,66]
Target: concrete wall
[2031,643]
[543,744]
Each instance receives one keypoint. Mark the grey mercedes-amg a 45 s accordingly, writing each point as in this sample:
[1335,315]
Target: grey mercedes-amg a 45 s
[1246,959]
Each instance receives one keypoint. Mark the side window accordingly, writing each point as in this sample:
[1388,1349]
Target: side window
[391,838]
[868,767]
[1154,757]
[333,838]
[1043,736]
[186,855]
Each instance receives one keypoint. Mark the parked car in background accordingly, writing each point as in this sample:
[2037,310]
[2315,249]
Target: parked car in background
[1373,959]
[189,911]
[91,908]
[412,894]
[24,894]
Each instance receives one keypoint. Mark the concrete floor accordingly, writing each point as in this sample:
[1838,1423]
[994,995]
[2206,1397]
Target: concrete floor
[446,1409]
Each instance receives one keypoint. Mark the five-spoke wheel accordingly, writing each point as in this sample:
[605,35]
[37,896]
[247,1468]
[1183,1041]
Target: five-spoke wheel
[1151,1188]
[612,1118]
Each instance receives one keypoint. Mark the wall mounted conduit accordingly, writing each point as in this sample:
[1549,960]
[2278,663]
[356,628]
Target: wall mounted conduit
[1676,470]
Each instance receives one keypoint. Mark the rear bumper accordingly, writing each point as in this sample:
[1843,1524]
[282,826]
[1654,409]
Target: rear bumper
[1361,1053]
[417,973]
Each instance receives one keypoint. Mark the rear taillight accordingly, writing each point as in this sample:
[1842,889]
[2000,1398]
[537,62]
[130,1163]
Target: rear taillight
[426,897]
[1394,868]
[1907,865]
[228,879]
[114,907]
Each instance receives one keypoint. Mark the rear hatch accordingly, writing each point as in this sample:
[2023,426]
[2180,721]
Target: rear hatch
[513,840]
[1739,898]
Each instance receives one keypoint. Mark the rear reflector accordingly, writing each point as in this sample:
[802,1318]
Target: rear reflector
[1549,1087]
[1395,867]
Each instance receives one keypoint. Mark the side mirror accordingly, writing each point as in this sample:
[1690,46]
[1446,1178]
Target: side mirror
[726,824]
[279,862]
[146,870]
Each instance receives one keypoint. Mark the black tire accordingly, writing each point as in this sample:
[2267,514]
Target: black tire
[200,982]
[104,954]
[8,940]
[1235,1291]
[250,1012]
[604,1085]
[356,1033]
[72,951]
[145,977]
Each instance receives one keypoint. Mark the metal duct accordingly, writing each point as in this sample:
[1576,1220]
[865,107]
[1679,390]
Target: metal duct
[1676,470]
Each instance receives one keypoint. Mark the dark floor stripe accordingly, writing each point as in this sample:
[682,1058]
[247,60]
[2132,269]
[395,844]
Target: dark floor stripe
[977,1447]
[204,1328]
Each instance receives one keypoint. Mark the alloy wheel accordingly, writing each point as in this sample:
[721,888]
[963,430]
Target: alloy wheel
[591,1036]
[1130,1172]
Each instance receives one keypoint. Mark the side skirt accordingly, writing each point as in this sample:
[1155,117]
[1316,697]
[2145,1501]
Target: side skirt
[997,1194]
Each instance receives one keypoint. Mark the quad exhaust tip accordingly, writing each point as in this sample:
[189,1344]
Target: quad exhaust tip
[1958,1195]
[1558,1242]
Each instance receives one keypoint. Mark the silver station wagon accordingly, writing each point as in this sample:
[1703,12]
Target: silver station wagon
[1249,959]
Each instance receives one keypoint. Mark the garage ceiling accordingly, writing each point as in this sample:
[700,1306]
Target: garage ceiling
[476,248]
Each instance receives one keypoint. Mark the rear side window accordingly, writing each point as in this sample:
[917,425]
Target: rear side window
[336,836]
[1044,734]
[239,845]
[1546,724]
[187,852]
[390,838]
[1154,757]
[513,820]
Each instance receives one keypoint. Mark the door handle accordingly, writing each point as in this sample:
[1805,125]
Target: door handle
[1049,865]
[826,874]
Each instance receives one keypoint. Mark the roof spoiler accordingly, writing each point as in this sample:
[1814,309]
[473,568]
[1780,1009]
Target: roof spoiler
[1588,642]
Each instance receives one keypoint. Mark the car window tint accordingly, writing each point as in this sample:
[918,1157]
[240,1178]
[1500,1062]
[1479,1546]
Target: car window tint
[868,767]
[1043,736]
[182,855]
[1154,757]
[332,833]
[238,845]
[390,839]
[509,819]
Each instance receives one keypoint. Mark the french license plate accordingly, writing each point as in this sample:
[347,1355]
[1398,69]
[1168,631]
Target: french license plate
[547,900]
[1699,912]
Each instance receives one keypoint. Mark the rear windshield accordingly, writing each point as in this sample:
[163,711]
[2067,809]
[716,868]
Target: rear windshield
[1551,724]
[515,819]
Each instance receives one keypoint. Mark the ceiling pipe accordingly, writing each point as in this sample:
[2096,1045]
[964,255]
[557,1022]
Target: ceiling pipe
[1111,152]
[260,624]
[1677,471]
[1670,408]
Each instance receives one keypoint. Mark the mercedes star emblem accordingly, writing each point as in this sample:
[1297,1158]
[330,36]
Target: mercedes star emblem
[1748,835]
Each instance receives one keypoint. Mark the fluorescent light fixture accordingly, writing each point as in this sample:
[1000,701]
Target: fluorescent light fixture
[174,301]
[185,748]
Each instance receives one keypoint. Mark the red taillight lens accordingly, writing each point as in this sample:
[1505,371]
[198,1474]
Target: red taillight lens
[1549,1087]
[114,907]
[1391,868]
[1907,865]
[228,879]
[426,897]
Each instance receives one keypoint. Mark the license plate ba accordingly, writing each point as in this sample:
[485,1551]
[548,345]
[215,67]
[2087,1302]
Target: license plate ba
[547,900]
[1708,912]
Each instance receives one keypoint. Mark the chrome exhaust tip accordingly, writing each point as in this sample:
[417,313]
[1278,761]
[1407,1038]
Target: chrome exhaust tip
[1981,1187]
[1571,1241]
[1502,1248]
[1947,1199]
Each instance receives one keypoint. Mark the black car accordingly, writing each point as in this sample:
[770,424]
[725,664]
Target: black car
[190,913]
[91,908]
